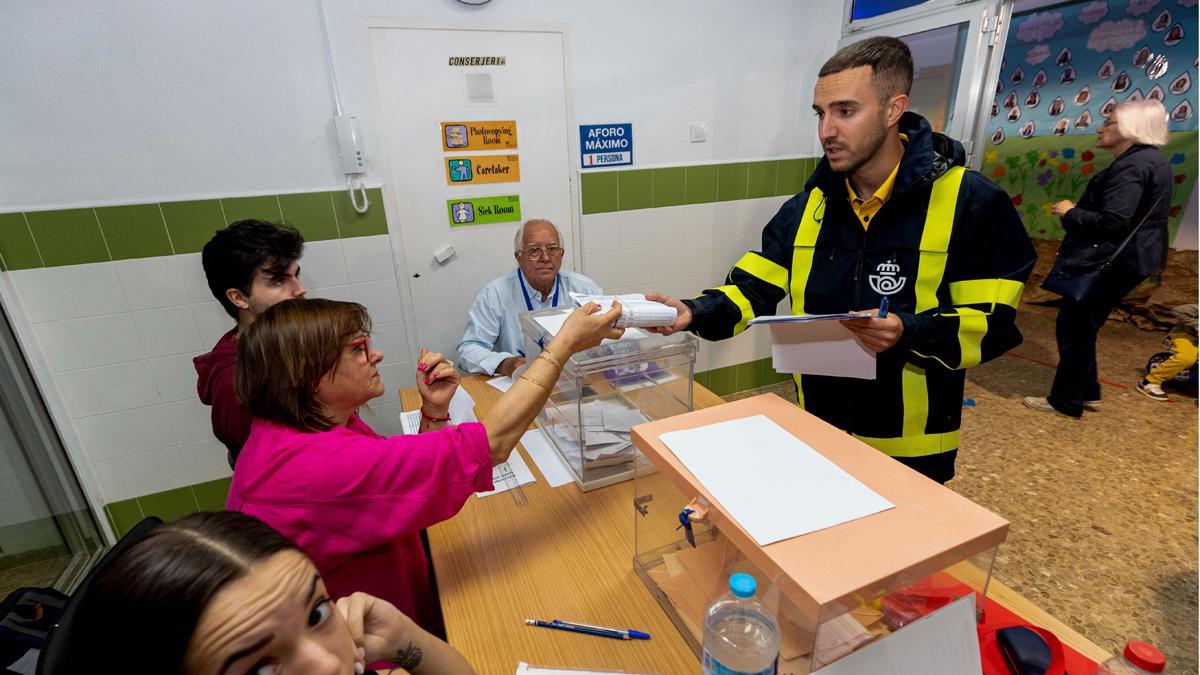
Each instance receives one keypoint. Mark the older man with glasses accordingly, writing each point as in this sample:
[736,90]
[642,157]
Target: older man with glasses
[493,342]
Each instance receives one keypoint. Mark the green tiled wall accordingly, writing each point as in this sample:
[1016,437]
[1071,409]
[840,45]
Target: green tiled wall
[73,236]
[740,377]
[169,505]
[633,189]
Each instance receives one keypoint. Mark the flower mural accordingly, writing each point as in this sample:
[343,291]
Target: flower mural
[1086,50]
[1037,172]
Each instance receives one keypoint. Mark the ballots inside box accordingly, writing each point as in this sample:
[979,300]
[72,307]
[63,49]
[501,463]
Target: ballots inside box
[604,391]
[836,588]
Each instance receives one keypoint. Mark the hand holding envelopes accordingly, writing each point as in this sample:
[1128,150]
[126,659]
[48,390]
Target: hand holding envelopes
[636,310]
[772,483]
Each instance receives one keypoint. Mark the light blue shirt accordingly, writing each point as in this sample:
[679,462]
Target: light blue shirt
[493,329]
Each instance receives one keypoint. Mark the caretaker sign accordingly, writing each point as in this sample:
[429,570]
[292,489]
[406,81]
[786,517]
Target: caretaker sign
[605,145]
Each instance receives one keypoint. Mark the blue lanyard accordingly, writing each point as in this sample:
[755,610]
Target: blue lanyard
[528,302]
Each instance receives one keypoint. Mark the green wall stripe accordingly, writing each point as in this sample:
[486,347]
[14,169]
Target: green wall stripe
[168,505]
[634,189]
[740,377]
[33,239]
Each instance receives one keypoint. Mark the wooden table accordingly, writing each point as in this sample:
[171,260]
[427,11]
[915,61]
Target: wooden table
[568,555]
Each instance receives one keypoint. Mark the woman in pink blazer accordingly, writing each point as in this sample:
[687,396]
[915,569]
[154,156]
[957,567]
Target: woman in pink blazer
[355,501]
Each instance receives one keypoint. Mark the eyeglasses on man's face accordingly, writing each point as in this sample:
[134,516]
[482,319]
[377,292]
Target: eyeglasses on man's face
[539,252]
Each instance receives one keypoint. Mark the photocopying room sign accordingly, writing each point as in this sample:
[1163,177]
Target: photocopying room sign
[605,145]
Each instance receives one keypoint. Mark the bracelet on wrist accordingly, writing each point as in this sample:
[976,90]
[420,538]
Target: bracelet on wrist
[554,360]
[431,418]
[539,385]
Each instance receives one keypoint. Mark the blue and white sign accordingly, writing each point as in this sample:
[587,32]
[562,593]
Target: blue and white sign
[605,145]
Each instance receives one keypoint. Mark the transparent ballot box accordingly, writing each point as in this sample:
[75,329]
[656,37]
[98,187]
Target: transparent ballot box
[604,391]
[832,591]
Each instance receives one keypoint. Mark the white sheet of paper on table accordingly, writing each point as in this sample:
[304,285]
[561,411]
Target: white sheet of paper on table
[944,641]
[819,348]
[546,459]
[501,383]
[410,421]
[462,407]
[772,483]
[520,474]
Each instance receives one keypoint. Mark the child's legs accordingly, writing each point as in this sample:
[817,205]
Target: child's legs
[1183,355]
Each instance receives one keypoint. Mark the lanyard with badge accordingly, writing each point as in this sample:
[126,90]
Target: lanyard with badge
[529,303]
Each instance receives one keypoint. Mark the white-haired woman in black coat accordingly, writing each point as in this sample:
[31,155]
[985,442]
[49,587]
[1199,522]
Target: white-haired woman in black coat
[1135,187]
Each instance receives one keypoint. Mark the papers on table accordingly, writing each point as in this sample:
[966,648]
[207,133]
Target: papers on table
[772,483]
[500,382]
[818,344]
[636,310]
[410,421]
[462,409]
[508,475]
[545,458]
[943,641]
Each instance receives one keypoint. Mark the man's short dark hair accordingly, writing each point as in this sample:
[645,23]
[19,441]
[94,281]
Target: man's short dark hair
[890,60]
[234,255]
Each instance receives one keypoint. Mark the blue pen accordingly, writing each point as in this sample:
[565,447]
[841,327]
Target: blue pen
[601,631]
[883,308]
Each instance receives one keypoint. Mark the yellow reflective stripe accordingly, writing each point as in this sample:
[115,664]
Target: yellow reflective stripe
[735,294]
[806,240]
[943,200]
[916,400]
[931,267]
[986,292]
[972,326]
[760,268]
[799,390]
[935,237]
[914,446]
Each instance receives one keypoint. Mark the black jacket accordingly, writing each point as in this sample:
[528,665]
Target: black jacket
[1116,199]
[972,318]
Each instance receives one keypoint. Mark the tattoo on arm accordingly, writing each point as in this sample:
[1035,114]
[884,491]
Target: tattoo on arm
[408,657]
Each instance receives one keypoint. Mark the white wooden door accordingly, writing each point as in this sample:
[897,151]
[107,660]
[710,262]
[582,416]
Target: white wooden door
[417,89]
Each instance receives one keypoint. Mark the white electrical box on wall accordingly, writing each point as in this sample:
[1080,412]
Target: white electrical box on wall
[350,144]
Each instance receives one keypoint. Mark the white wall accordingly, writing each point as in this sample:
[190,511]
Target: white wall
[137,101]
[134,101]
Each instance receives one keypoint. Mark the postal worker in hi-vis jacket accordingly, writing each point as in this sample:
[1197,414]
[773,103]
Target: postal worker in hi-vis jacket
[889,212]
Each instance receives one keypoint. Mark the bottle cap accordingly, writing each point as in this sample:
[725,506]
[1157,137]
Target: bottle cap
[1145,656]
[742,585]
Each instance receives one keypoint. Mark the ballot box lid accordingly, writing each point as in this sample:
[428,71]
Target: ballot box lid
[830,570]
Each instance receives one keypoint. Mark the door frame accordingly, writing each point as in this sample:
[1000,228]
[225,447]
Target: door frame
[383,168]
[987,30]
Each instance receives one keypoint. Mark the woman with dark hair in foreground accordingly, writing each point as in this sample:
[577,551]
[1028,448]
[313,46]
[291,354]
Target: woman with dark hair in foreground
[224,593]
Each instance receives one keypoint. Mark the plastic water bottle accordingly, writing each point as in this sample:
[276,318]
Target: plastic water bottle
[740,635]
[1136,659]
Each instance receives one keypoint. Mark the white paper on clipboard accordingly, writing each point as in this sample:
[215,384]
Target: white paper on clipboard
[817,345]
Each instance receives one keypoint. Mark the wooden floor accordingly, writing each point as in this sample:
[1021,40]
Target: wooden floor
[1103,509]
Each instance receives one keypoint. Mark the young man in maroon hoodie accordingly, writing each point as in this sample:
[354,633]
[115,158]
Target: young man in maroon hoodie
[250,266]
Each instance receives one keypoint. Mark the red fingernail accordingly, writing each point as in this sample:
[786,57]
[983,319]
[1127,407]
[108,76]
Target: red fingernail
[421,367]
[427,380]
